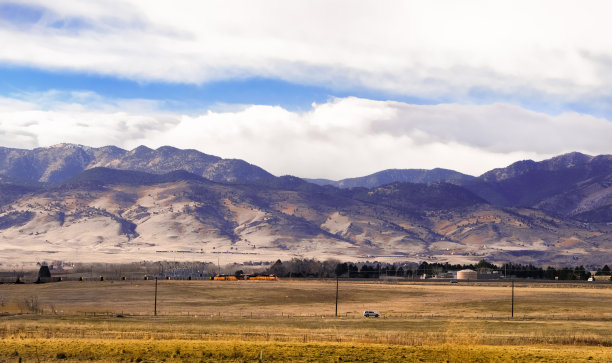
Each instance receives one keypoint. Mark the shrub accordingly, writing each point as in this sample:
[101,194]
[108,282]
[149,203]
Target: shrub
[30,304]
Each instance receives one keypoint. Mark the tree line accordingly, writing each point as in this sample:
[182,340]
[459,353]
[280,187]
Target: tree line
[314,268]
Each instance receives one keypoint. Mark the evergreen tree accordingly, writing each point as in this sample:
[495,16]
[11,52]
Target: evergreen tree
[341,269]
[44,272]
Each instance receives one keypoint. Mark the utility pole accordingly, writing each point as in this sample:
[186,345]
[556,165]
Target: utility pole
[513,298]
[337,278]
[155,311]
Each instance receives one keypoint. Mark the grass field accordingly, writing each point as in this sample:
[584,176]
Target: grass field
[294,320]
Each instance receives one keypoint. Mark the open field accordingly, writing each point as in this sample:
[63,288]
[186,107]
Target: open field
[295,320]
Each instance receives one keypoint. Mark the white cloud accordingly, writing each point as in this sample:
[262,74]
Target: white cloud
[341,138]
[551,49]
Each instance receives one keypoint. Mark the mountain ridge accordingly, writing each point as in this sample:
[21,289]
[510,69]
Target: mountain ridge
[569,184]
[118,215]
[396,175]
[55,164]
[133,214]
[572,184]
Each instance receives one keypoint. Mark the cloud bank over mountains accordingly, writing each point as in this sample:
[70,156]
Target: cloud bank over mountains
[341,138]
[465,85]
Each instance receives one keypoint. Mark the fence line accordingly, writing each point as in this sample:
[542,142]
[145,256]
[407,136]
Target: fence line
[219,315]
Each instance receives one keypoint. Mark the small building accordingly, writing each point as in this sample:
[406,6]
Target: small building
[444,275]
[491,275]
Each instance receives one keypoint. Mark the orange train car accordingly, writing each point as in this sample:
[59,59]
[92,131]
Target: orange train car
[260,277]
[225,278]
[244,277]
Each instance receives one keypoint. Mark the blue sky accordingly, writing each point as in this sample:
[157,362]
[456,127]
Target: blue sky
[312,88]
[19,81]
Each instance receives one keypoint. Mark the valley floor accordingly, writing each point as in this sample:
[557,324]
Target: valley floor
[294,320]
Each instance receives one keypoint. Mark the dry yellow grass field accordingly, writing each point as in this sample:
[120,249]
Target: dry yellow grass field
[294,320]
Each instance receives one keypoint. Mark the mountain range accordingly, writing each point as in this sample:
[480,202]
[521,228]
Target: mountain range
[77,203]
[55,164]
[572,184]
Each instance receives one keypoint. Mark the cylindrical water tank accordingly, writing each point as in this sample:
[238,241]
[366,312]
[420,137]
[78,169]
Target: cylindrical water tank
[467,275]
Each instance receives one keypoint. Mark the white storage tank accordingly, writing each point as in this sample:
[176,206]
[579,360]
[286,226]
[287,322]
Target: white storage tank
[467,275]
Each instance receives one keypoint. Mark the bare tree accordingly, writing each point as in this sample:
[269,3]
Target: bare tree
[30,304]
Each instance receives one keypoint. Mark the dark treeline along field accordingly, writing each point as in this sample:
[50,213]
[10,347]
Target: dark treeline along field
[295,268]
[298,268]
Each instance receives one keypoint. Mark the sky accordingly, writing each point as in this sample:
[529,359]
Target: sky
[316,89]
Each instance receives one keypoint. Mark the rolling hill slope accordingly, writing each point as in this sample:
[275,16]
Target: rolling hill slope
[107,215]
